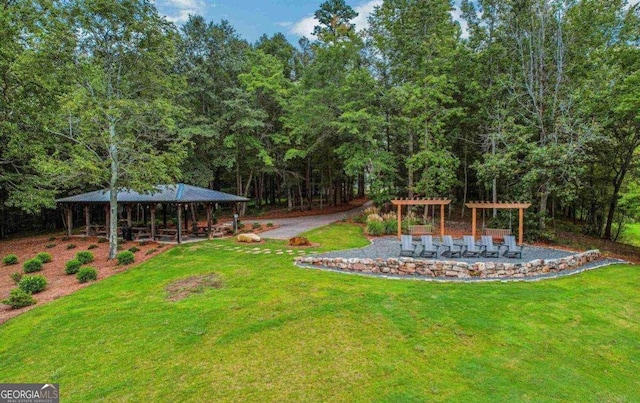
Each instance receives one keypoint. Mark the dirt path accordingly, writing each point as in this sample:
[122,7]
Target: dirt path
[290,227]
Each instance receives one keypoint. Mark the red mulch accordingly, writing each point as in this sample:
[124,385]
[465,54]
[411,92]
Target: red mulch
[61,284]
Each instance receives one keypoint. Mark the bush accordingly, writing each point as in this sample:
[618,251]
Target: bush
[71,246]
[10,259]
[92,246]
[32,265]
[52,238]
[44,257]
[256,225]
[125,257]
[360,219]
[19,299]
[150,251]
[84,257]
[143,243]
[16,277]
[374,217]
[87,274]
[133,249]
[375,228]
[50,245]
[390,226]
[102,240]
[32,284]
[65,238]
[72,266]
[160,245]
[269,224]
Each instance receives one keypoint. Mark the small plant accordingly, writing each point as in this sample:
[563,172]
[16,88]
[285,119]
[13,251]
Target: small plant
[102,240]
[240,226]
[375,228]
[44,257]
[72,266]
[19,299]
[125,257]
[87,274]
[32,265]
[143,243]
[10,259]
[84,257]
[133,249]
[16,277]
[92,246]
[50,245]
[256,225]
[119,247]
[150,251]
[52,238]
[71,246]
[32,284]
[65,238]
[269,224]
[160,245]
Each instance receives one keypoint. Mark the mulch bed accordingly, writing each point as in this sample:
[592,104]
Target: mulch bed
[61,284]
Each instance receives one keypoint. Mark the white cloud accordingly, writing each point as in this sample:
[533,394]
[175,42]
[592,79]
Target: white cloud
[304,27]
[178,11]
[284,23]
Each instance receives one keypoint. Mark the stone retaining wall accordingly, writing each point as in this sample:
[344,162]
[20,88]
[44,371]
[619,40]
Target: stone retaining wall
[452,269]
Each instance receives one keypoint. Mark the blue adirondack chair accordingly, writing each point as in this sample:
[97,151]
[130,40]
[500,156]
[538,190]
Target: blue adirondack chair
[407,248]
[513,250]
[451,249]
[469,247]
[428,249]
[490,250]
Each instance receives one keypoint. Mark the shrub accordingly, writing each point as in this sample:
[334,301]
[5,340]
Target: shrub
[370,210]
[360,219]
[19,299]
[269,224]
[373,217]
[71,246]
[10,259]
[32,265]
[87,274]
[72,266]
[240,225]
[50,245]
[102,240]
[375,228]
[160,245]
[92,246]
[44,257]
[256,225]
[390,226]
[150,251]
[32,284]
[84,257]
[65,238]
[16,277]
[125,257]
[143,243]
[133,249]
[52,238]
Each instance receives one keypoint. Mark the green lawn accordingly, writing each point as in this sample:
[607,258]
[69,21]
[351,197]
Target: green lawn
[631,234]
[275,332]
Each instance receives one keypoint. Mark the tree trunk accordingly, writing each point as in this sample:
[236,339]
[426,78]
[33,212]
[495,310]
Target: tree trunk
[113,193]
[409,169]
[544,196]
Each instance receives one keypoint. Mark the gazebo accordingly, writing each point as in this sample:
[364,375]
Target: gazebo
[499,205]
[177,194]
[420,202]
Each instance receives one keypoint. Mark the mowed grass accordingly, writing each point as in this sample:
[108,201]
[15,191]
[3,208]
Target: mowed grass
[276,332]
[631,234]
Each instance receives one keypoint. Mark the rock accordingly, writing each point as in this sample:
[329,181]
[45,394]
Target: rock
[299,241]
[249,238]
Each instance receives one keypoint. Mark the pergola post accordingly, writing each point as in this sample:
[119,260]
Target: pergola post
[399,220]
[520,225]
[441,220]
[128,207]
[87,220]
[152,209]
[69,220]
[473,222]
[179,234]
[209,214]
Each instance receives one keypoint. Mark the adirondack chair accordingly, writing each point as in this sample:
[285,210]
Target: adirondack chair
[470,248]
[513,250]
[451,249]
[428,249]
[490,250]
[407,248]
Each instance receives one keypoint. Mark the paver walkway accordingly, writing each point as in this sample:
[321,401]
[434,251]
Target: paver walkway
[290,227]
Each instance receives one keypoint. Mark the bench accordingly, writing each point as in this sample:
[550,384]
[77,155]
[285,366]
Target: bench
[426,229]
[497,233]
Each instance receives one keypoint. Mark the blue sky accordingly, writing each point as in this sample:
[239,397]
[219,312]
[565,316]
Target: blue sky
[252,18]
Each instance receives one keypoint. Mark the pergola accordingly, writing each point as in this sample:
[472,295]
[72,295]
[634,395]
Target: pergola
[420,202]
[499,205]
[177,194]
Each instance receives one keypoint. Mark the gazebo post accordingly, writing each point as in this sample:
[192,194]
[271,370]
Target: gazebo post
[520,225]
[441,220]
[473,222]
[69,212]
[399,220]
[129,220]
[87,219]
[153,221]
[179,223]
[209,214]
[107,224]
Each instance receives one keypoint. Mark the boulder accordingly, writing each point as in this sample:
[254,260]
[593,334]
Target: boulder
[299,241]
[249,238]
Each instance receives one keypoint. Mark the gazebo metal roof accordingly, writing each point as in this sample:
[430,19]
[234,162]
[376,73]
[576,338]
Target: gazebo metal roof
[176,193]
